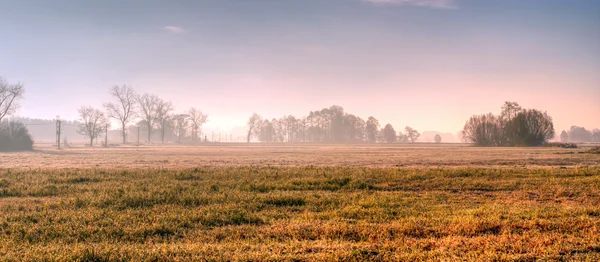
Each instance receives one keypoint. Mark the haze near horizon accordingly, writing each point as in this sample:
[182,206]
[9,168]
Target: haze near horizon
[428,64]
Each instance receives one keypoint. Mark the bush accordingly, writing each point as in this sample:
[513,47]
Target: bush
[529,127]
[14,136]
[484,130]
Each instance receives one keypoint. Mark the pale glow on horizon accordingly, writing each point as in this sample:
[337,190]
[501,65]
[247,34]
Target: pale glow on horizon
[412,63]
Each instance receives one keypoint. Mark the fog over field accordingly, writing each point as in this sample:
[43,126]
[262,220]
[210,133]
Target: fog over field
[300,130]
[428,64]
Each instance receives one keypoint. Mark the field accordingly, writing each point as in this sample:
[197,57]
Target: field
[300,203]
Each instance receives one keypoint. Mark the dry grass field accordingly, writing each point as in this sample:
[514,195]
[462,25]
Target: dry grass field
[300,203]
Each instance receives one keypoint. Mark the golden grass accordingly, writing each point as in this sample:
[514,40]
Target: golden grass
[380,155]
[307,209]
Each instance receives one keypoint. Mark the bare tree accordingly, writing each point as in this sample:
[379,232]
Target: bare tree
[197,119]
[147,105]
[510,111]
[181,123]
[163,110]
[412,134]
[93,123]
[123,110]
[437,138]
[253,123]
[9,97]
[483,130]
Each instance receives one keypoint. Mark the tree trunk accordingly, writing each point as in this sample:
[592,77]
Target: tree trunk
[91,141]
[249,132]
[124,138]
[149,132]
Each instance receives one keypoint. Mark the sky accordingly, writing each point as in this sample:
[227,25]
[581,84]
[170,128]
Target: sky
[428,64]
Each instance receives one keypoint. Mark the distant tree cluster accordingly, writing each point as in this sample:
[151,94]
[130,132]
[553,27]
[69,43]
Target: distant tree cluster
[328,125]
[153,113]
[579,134]
[13,135]
[513,127]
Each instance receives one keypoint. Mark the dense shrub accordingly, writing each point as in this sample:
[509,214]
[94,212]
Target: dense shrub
[484,130]
[531,128]
[14,137]
[528,127]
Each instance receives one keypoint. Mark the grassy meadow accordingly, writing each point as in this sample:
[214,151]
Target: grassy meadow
[327,203]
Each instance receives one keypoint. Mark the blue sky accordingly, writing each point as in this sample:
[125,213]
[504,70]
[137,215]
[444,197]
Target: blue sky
[429,64]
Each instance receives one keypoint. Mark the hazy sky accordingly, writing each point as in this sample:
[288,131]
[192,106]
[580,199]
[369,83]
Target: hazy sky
[429,64]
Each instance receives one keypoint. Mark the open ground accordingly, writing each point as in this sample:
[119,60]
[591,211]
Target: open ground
[300,203]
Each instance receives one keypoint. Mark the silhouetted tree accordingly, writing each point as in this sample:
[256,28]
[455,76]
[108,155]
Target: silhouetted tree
[483,130]
[14,136]
[532,128]
[510,111]
[124,109]
[437,138]
[147,105]
[372,127]
[10,94]
[389,134]
[564,136]
[197,119]
[515,126]
[93,123]
[253,122]
[412,134]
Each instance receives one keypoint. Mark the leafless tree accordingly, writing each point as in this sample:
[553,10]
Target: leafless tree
[123,110]
[10,94]
[181,124]
[147,110]
[483,130]
[93,123]
[197,119]
[510,111]
[163,113]
[253,122]
[412,134]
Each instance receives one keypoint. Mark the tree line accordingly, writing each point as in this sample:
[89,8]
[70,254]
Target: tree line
[514,126]
[150,111]
[328,125]
[579,134]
